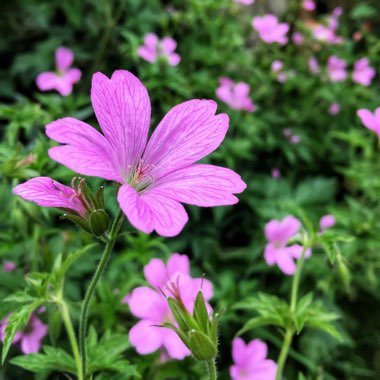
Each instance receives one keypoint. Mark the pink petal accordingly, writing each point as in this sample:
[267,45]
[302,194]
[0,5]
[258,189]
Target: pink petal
[368,119]
[145,337]
[202,185]
[149,304]
[241,90]
[258,350]
[46,192]
[151,41]
[188,132]
[282,231]
[73,75]
[174,59]
[178,264]
[147,54]
[224,93]
[239,352]
[265,370]
[168,45]
[286,262]
[122,107]
[204,285]
[174,345]
[270,254]
[63,86]
[63,58]
[30,345]
[155,272]
[152,211]
[85,150]
[39,329]
[296,250]
[47,81]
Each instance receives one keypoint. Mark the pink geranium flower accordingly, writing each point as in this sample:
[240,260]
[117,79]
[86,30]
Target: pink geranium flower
[245,2]
[298,38]
[334,109]
[336,69]
[276,173]
[30,338]
[154,48]
[370,120]
[308,5]
[327,221]
[270,30]
[250,361]
[277,251]
[9,266]
[235,95]
[63,79]
[313,65]
[328,33]
[150,305]
[363,72]
[156,176]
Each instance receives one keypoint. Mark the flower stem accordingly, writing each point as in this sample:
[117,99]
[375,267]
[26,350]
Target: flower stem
[71,334]
[93,284]
[289,332]
[212,369]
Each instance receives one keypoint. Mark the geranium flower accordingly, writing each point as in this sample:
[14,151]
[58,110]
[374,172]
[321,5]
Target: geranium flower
[334,109]
[270,30]
[276,173]
[235,95]
[30,338]
[156,176]
[298,38]
[308,5]
[363,72]
[370,120]
[9,266]
[64,78]
[313,65]
[244,2]
[327,221]
[250,361]
[150,305]
[278,234]
[153,48]
[336,69]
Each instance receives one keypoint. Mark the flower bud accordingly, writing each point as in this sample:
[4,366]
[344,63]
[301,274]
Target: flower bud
[98,222]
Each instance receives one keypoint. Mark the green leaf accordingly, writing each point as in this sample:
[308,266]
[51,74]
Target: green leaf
[52,359]
[200,313]
[72,258]
[261,321]
[20,297]
[16,322]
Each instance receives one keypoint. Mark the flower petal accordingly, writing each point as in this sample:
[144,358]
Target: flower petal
[72,75]
[155,272]
[368,119]
[145,337]
[64,58]
[122,107]
[286,262]
[152,210]
[46,192]
[178,264]
[168,45]
[47,81]
[282,231]
[29,344]
[174,345]
[202,185]
[86,151]
[239,352]
[188,132]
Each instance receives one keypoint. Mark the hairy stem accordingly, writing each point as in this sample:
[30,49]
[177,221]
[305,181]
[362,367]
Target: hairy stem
[91,289]
[212,369]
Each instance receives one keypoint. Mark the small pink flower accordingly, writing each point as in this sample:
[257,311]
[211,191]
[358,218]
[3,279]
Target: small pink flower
[235,95]
[336,69]
[313,65]
[298,38]
[288,132]
[157,174]
[308,5]
[270,30]
[65,77]
[150,305]
[154,48]
[334,109]
[276,173]
[363,72]
[30,337]
[250,361]
[277,66]
[370,120]
[278,234]
[244,2]
[295,139]
[326,222]
[9,266]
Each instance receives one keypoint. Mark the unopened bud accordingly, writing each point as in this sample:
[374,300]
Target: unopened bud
[201,346]
[99,222]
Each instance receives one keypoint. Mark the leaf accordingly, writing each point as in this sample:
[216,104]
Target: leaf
[72,258]
[53,359]
[20,297]
[301,311]
[260,321]
[16,322]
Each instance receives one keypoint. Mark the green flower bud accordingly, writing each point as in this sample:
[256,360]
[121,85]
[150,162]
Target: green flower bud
[201,346]
[99,222]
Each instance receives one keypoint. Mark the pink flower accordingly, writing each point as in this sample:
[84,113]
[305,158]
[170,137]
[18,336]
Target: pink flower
[235,95]
[156,176]
[46,192]
[62,80]
[308,5]
[298,38]
[245,2]
[250,361]
[149,304]
[313,65]
[334,109]
[326,222]
[270,30]
[363,72]
[295,139]
[30,337]
[277,66]
[153,48]
[278,234]
[276,173]
[9,266]
[370,120]
[288,132]
[336,69]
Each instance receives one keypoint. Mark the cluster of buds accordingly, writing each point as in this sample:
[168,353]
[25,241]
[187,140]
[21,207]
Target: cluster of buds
[198,331]
[93,218]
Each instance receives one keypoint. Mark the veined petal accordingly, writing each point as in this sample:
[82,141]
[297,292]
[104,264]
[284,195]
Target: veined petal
[155,272]
[85,151]
[178,264]
[174,345]
[64,58]
[188,132]
[122,107]
[152,210]
[46,192]
[202,185]
[145,337]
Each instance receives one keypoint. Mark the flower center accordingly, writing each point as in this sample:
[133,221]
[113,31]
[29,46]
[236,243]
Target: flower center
[140,178]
